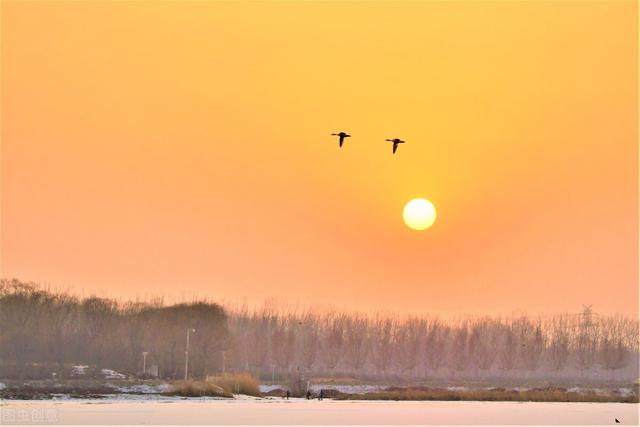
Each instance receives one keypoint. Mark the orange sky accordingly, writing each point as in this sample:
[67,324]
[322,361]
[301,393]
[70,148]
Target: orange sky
[183,148]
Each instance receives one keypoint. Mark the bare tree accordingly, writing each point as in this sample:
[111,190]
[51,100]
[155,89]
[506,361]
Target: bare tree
[459,349]
[356,332]
[334,340]
[382,343]
[614,351]
[532,345]
[408,344]
[435,345]
[508,352]
[482,344]
[559,342]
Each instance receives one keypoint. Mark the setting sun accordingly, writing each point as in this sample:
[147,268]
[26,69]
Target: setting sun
[419,214]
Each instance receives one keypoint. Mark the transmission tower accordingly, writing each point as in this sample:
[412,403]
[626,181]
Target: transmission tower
[585,319]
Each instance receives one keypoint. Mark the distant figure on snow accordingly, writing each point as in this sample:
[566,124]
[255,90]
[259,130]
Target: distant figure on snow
[342,136]
[395,141]
[288,394]
[321,395]
[308,394]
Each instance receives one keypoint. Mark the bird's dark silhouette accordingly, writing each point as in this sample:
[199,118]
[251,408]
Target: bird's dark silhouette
[342,136]
[396,142]
[617,421]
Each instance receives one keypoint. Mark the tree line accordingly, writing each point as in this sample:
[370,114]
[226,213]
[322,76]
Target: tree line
[42,330]
[273,341]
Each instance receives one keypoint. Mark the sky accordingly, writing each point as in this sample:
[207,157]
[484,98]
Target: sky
[183,149]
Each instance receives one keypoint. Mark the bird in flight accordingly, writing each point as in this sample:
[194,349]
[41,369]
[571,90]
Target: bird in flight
[342,136]
[395,141]
[617,421]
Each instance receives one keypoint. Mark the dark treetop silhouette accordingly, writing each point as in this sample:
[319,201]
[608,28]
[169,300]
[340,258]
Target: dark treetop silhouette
[395,141]
[342,136]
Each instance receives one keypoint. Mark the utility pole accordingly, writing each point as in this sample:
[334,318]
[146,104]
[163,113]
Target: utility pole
[186,355]
[144,363]
[224,360]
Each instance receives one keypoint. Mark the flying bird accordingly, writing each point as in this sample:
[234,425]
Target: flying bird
[342,136]
[617,421]
[395,141]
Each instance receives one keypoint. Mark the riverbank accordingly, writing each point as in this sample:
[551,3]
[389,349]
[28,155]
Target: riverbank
[94,389]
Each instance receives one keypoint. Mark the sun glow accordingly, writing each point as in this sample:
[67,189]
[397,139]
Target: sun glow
[419,214]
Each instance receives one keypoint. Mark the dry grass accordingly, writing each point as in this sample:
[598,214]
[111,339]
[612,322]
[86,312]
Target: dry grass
[501,395]
[241,383]
[197,389]
[220,386]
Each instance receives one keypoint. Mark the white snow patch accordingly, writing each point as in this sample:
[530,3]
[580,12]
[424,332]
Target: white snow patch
[626,392]
[343,388]
[459,388]
[600,391]
[246,397]
[348,388]
[110,374]
[266,388]
[144,388]
[111,398]
[79,369]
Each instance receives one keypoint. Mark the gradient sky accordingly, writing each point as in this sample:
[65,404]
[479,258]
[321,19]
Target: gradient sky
[183,149]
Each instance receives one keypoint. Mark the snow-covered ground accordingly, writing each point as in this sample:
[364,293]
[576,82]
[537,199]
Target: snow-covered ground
[623,391]
[123,397]
[79,369]
[348,388]
[142,388]
[110,374]
[266,388]
[343,388]
[372,388]
[254,411]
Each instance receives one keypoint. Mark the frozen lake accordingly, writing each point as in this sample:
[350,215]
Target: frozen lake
[298,411]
